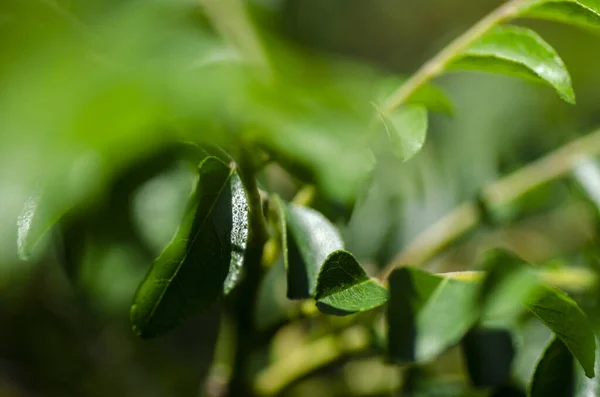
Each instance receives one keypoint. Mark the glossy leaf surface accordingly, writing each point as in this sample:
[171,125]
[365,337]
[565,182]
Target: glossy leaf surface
[584,13]
[307,240]
[519,52]
[343,287]
[203,261]
[562,316]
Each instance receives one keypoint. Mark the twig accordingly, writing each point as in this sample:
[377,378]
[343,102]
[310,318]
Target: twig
[306,360]
[436,65]
[231,20]
[467,215]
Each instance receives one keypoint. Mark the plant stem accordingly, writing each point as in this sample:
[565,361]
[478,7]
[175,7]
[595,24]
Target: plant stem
[320,353]
[304,361]
[436,65]
[499,193]
[232,22]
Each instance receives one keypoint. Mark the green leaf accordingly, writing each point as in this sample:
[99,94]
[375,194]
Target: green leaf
[430,96]
[406,129]
[343,287]
[489,354]
[39,214]
[554,374]
[427,314]
[307,240]
[203,261]
[584,13]
[508,284]
[584,386]
[562,316]
[519,52]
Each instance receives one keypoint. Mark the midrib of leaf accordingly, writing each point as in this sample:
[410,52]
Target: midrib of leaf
[187,250]
[436,65]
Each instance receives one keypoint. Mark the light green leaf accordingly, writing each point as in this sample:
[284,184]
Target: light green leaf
[39,214]
[508,284]
[406,129]
[519,52]
[343,287]
[307,240]
[561,314]
[427,314]
[584,13]
[203,261]
[430,96]
[554,374]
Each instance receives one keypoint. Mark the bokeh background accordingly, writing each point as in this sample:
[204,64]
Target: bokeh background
[59,338]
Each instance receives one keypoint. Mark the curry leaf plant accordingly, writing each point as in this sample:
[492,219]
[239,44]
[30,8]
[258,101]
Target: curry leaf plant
[250,121]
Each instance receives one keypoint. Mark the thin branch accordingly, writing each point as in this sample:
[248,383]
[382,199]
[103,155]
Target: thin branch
[508,189]
[304,361]
[329,349]
[436,65]
[231,20]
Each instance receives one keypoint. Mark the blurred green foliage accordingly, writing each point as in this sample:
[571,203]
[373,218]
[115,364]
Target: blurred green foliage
[97,96]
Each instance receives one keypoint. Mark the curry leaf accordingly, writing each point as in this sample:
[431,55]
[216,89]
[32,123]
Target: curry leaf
[517,52]
[307,240]
[561,314]
[39,214]
[427,314]
[508,284]
[554,374]
[584,13]
[406,129]
[343,287]
[203,261]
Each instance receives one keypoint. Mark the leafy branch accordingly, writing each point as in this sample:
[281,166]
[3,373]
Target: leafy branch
[437,65]
[467,215]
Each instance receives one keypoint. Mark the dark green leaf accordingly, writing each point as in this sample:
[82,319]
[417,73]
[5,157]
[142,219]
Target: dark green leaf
[427,314]
[561,314]
[307,240]
[554,374]
[406,129]
[343,287]
[517,52]
[204,259]
[584,13]
[489,354]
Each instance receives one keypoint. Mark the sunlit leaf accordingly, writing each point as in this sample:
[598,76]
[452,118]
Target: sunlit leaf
[36,218]
[406,129]
[584,13]
[427,314]
[563,316]
[307,240]
[508,284]
[343,287]
[203,261]
[517,52]
[554,374]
